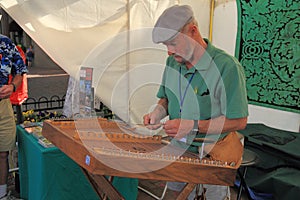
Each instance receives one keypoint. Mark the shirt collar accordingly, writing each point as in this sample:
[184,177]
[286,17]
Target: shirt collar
[206,59]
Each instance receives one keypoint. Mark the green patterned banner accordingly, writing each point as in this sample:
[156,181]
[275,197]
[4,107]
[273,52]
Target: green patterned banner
[268,46]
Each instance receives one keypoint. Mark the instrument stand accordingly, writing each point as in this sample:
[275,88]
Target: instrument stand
[103,186]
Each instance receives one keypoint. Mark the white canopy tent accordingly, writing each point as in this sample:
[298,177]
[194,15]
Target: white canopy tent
[112,37]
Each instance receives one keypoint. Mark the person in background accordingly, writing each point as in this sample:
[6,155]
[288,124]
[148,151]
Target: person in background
[203,90]
[11,63]
[29,56]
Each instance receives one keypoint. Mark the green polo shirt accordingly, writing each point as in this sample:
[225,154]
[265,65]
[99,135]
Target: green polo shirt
[217,88]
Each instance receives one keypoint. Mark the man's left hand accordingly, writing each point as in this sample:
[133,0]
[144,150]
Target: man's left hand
[178,128]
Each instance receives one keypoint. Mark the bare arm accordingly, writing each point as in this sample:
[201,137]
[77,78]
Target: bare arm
[17,80]
[221,124]
[6,90]
[181,127]
[162,108]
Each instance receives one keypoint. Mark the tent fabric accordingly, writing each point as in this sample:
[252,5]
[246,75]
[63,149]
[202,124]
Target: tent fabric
[112,37]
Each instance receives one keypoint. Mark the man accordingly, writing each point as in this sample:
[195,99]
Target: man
[203,88]
[11,63]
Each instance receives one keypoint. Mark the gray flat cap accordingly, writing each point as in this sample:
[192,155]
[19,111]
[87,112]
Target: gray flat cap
[170,22]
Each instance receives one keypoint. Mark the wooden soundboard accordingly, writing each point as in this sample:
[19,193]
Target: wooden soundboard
[110,148]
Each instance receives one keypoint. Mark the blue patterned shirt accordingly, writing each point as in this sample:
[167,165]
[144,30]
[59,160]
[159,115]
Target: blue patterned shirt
[11,60]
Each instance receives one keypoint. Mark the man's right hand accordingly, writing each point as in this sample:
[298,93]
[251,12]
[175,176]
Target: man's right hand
[152,121]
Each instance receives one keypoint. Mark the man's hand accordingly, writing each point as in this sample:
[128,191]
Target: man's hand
[152,121]
[178,128]
[5,91]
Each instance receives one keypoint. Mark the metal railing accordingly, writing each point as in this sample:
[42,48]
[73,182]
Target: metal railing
[42,104]
[53,103]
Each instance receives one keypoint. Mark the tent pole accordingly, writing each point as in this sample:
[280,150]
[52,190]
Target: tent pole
[212,7]
[128,60]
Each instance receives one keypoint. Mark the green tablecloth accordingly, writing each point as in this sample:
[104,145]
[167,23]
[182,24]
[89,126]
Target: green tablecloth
[278,168]
[48,174]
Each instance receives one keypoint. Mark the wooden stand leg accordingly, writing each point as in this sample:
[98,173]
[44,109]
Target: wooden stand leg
[103,187]
[185,192]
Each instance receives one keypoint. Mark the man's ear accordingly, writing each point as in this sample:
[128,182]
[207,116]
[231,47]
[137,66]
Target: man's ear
[193,29]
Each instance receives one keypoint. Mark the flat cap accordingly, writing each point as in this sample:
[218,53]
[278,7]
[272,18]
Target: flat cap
[170,22]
